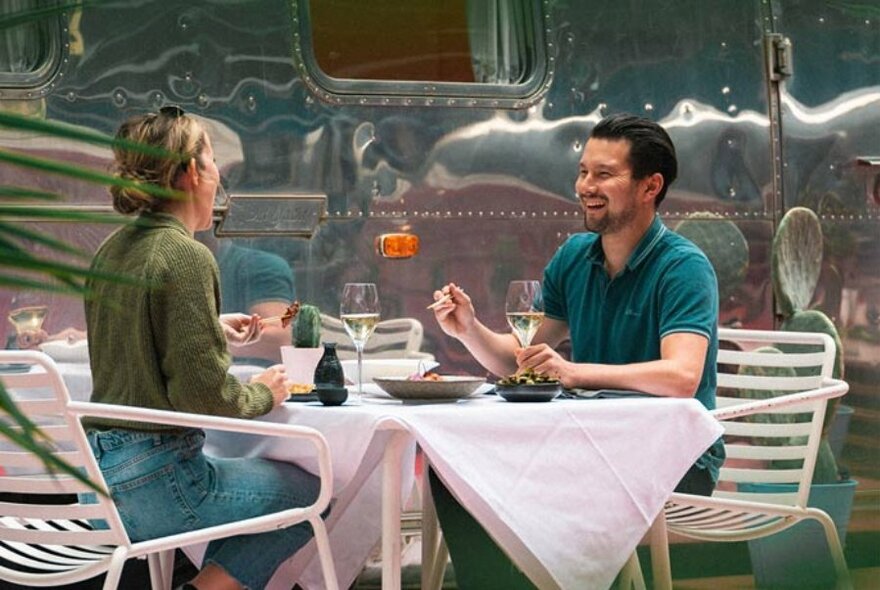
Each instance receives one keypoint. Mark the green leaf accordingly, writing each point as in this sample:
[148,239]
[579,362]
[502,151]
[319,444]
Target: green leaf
[41,238]
[86,174]
[39,285]
[65,130]
[56,214]
[17,192]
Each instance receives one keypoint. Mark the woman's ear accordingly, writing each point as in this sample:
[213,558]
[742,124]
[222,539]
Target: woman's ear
[190,177]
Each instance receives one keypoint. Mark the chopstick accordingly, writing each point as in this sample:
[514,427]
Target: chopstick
[269,320]
[440,301]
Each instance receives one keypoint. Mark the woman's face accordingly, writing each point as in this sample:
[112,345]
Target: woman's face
[207,188]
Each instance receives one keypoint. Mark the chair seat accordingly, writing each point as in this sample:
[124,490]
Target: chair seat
[43,558]
[729,523]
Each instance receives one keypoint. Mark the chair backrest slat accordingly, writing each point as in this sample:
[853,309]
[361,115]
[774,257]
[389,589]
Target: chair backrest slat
[42,484]
[57,537]
[762,475]
[735,451]
[23,459]
[398,337]
[774,445]
[760,382]
[52,511]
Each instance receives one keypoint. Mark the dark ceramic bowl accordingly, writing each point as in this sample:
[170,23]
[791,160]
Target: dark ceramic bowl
[538,392]
[332,396]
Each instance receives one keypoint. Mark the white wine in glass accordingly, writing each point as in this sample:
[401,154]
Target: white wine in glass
[359,312]
[524,309]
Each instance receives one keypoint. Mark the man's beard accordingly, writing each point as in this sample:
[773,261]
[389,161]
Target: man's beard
[610,222]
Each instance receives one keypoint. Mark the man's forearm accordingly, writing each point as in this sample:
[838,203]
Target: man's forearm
[492,350]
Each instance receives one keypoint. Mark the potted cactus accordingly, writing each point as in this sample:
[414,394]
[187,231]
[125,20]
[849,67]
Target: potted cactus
[799,555]
[301,359]
[724,245]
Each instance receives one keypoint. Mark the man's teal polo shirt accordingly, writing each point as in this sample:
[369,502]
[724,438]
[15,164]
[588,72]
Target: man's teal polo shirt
[667,286]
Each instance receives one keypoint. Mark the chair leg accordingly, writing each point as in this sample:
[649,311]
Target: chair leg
[660,553]
[843,580]
[631,574]
[328,568]
[161,569]
[114,572]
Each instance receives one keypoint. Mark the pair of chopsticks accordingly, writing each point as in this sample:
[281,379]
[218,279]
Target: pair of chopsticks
[440,301]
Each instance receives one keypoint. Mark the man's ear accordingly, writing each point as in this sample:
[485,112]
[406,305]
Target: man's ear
[653,186]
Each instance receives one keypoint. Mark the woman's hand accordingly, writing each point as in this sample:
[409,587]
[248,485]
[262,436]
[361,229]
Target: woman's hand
[456,316]
[240,329]
[275,379]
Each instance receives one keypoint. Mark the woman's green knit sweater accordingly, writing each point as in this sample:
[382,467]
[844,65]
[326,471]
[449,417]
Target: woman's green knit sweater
[157,342]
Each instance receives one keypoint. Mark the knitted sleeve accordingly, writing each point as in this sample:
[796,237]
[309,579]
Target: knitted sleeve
[189,340]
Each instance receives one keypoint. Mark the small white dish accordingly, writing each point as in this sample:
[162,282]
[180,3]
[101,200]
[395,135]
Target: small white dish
[62,351]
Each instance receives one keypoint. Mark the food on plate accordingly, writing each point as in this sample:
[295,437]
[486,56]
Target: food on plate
[299,388]
[429,376]
[527,377]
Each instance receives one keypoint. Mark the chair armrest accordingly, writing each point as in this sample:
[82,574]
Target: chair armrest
[117,412]
[831,388]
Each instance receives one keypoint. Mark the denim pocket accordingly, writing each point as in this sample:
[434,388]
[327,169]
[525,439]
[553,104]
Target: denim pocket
[154,505]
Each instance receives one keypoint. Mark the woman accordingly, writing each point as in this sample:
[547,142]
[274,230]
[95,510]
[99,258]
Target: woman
[158,342]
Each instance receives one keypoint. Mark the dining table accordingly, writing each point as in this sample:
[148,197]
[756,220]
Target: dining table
[566,488]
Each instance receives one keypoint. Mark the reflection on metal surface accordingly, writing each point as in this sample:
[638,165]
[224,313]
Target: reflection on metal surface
[271,215]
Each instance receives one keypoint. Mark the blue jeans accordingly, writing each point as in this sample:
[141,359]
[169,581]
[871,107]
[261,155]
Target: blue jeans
[164,484]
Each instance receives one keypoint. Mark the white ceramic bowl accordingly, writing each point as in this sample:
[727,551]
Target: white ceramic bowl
[385,368]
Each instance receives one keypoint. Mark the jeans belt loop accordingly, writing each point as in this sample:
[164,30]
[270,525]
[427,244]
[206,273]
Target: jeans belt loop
[97,449]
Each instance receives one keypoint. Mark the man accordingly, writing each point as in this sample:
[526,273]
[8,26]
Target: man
[639,303]
[254,282]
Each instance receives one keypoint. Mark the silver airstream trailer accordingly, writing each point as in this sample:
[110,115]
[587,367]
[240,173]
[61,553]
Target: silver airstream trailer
[337,122]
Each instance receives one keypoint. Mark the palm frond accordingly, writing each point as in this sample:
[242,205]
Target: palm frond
[18,192]
[37,237]
[64,130]
[81,173]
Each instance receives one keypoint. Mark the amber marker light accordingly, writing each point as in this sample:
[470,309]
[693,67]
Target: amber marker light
[397,245]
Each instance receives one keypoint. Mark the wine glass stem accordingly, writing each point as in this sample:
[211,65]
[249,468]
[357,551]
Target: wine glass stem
[360,355]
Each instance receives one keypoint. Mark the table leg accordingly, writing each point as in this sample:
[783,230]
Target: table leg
[434,553]
[391,482]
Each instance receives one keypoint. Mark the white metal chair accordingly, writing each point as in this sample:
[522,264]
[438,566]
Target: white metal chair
[395,338]
[732,513]
[46,544]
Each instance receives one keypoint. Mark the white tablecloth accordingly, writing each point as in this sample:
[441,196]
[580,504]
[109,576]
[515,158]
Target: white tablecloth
[567,488]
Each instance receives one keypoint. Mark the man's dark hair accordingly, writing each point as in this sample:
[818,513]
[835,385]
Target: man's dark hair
[650,151]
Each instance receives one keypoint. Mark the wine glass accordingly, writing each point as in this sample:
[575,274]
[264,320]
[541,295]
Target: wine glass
[359,312]
[28,321]
[524,309]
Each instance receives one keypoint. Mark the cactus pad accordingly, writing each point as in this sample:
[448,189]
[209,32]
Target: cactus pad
[723,244]
[307,327]
[765,394]
[796,260]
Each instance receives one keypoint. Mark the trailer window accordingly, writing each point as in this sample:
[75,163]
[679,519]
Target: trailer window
[30,47]
[424,46]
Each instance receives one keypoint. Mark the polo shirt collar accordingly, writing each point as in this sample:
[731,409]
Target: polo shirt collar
[595,254]
[647,243]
